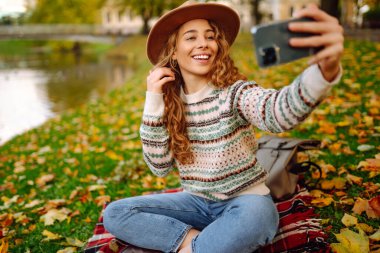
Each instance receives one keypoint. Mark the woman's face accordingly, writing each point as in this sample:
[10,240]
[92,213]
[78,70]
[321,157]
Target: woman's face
[196,48]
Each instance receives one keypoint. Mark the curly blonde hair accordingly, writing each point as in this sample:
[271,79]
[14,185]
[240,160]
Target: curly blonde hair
[223,73]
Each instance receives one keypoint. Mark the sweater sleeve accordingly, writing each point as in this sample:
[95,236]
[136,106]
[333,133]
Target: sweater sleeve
[154,136]
[280,110]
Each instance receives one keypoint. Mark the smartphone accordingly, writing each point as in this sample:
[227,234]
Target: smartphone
[271,42]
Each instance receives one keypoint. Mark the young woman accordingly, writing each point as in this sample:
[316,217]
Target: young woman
[198,117]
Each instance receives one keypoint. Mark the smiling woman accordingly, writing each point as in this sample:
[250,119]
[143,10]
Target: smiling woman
[198,117]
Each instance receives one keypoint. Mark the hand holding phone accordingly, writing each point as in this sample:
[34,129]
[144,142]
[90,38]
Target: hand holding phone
[271,43]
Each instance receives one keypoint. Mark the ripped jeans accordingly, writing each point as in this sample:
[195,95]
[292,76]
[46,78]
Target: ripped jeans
[161,222]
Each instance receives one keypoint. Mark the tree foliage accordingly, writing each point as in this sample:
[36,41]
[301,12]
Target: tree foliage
[147,9]
[66,11]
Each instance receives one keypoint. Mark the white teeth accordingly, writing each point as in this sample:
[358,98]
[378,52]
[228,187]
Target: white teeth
[201,57]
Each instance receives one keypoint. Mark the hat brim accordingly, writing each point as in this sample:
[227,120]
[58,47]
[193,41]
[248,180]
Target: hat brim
[223,16]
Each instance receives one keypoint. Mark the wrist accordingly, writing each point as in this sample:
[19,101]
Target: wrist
[329,73]
[156,90]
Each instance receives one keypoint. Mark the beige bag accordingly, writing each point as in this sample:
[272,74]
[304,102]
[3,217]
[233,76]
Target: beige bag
[278,156]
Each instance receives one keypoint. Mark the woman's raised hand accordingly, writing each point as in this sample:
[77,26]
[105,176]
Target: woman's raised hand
[328,34]
[158,77]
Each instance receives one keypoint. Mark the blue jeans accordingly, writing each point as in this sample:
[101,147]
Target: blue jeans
[161,222]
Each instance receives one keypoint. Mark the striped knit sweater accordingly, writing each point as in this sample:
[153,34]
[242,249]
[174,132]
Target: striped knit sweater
[219,126]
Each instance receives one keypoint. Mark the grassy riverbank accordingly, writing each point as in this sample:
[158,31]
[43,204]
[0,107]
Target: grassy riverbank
[55,178]
[24,47]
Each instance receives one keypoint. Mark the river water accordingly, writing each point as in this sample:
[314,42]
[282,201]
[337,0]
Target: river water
[35,87]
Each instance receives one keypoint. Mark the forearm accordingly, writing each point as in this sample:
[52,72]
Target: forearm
[154,136]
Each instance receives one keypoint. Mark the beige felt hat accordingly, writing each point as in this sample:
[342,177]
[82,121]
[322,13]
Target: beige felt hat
[223,16]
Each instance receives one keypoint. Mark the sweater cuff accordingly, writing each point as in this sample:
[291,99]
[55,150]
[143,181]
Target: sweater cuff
[315,83]
[154,104]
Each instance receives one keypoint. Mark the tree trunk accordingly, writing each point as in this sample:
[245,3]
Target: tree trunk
[331,7]
[255,11]
[145,28]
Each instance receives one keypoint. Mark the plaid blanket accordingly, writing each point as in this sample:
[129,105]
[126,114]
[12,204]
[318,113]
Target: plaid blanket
[299,231]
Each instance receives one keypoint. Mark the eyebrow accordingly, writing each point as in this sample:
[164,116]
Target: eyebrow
[195,31]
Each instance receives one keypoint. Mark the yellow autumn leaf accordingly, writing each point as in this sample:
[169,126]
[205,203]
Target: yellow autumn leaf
[4,245]
[68,250]
[112,155]
[74,242]
[339,248]
[160,183]
[365,227]
[101,200]
[360,206]
[351,242]
[349,220]
[54,214]
[375,236]
[322,202]
[50,236]
[343,123]
[337,183]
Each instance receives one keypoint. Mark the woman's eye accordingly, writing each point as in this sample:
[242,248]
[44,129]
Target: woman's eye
[191,38]
[211,37]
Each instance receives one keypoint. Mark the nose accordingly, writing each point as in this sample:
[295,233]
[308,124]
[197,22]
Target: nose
[202,42]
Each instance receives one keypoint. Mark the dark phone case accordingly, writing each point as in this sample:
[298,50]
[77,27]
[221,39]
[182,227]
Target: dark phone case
[271,43]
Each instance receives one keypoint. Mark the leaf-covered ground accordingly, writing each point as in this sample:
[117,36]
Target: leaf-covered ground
[55,179]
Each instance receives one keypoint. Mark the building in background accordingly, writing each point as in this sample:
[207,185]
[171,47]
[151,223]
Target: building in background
[118,20]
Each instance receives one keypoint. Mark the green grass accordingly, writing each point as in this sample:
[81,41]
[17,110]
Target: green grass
[98,144]
[24,47]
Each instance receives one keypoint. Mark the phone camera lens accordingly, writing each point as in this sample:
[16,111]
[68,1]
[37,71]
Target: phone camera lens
[269,56]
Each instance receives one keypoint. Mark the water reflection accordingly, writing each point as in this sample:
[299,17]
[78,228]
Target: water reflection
[23,102]
[35,88]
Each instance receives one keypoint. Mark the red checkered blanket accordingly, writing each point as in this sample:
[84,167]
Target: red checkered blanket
[299,231]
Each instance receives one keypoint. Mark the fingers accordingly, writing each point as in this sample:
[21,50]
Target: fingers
[322,40]
[328,35]
[329,54]
[312,11]
[158,77]
[316,27]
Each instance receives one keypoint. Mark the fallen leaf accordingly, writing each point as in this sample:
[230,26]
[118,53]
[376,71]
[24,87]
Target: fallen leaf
[74,242]
[54,214]
[375,236]
[96,187]
[44,179]
[68,250]
[349,220]
[4,245]
[322,202]
[374,203]
[361,205]
[354,179]
[50,235]
[365,227]
[371,207]
[351,242]
[101,200]
[337,183]
[365,147]
[33,203]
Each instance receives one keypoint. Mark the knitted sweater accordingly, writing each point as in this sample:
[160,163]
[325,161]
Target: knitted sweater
[219,126]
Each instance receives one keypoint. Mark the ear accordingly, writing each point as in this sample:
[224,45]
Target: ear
[174,56]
